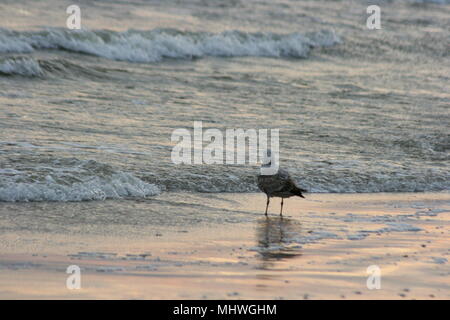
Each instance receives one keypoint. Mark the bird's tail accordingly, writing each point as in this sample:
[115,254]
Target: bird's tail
[298,192]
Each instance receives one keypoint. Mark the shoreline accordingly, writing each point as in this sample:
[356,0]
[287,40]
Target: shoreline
[220,246]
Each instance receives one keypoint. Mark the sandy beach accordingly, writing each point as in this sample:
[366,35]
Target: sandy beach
[220,246]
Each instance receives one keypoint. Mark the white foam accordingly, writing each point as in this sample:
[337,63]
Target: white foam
[117,186]
[357,236]
[27,67]
[10,43]
[430,212]
[439,260]
[317,236]
[399,227]
[392,227]
[109,269]
[155,45]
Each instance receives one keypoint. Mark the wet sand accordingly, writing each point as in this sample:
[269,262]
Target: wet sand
[220,246]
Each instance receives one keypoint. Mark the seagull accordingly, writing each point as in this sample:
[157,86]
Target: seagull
[279,185]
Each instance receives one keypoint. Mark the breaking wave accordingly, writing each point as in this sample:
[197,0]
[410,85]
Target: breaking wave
[121,185]
[38,68]
[118,186]
[21,66]
[84,181]
[158,44]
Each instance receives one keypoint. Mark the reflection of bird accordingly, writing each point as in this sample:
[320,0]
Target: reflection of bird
[276,237]
[279,185]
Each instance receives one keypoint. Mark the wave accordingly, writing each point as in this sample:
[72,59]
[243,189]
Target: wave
[75,180]
[156,45]
[29,67]
[42,178]
[85,181]
[315,180]
[21,66]
[121,185]
[118,186]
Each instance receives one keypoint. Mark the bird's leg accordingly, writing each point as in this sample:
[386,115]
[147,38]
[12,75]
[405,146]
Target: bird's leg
[267,205]
[281,210]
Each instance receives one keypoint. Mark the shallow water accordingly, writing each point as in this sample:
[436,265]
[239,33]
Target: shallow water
[170,246]
[89,115]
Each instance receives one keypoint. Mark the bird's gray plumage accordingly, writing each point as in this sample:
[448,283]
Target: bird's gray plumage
[279,185]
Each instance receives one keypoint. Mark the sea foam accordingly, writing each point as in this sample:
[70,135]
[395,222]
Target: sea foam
[22,66]
[158,44]
[117,186]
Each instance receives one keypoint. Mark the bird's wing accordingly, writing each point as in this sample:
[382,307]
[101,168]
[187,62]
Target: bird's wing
[290,183]
[274,183]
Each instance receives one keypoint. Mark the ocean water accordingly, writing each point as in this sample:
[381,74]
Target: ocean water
[88,114]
